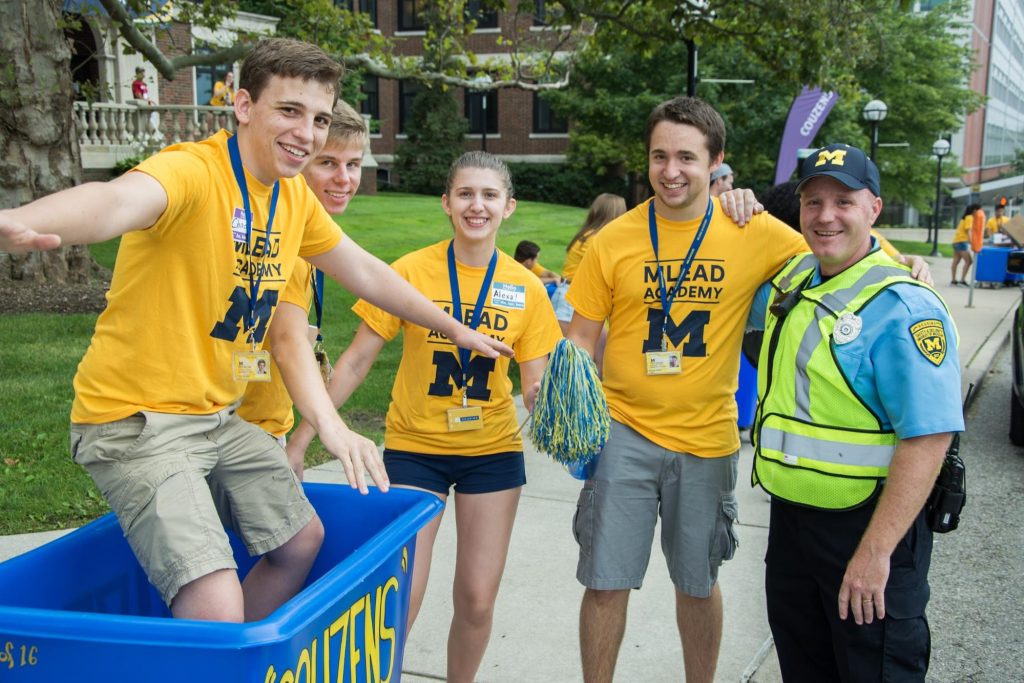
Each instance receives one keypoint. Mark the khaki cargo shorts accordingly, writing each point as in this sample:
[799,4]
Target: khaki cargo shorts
[175,482]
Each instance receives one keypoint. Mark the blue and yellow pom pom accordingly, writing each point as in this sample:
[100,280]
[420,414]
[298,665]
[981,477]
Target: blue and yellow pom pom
[570,416]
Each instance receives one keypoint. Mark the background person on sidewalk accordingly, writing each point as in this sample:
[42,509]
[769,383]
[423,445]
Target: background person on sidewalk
[844,444]
[333,176]
[994,227]
[962,246]
[218,224]
[673,446]
[452,420]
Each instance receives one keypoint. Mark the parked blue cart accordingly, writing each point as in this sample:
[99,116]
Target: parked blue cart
[81,609]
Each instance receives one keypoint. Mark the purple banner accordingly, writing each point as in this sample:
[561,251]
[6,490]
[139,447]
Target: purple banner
[808,113]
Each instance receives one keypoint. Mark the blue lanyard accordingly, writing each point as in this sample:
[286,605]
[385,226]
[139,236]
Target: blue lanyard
[668,297]
[254,282]
[453,279]
[318,300]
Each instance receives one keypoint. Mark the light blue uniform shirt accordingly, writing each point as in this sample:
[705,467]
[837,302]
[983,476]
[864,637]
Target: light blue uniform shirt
[910,394]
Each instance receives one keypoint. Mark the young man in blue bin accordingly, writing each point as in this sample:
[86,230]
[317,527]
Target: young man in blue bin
[843,441]
[210,234]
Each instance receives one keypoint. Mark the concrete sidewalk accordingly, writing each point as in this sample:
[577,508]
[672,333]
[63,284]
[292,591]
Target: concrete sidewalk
[535,626]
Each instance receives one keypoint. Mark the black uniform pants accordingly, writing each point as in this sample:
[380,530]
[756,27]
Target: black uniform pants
[808,551]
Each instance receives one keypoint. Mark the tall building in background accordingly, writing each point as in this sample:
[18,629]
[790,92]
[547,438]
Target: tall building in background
[987,143]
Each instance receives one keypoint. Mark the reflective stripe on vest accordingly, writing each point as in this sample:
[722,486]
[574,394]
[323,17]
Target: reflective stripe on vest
[817,443]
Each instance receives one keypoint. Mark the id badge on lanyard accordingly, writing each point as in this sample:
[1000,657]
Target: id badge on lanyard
[317,338]
[252,365]
[670,361]
[466,417]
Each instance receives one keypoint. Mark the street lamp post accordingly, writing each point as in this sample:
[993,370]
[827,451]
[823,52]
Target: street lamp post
[483,82]
[874,112]
[939,149]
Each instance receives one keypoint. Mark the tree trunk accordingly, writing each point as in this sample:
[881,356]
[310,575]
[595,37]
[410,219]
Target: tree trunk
[38,147]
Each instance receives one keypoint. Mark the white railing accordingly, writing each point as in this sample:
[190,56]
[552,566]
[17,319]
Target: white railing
[110,132]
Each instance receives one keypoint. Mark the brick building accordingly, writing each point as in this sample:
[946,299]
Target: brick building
[514,124]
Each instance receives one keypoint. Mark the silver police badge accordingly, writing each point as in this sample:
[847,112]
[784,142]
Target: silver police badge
[847,328]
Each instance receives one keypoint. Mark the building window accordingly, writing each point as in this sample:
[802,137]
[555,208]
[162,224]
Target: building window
[369,7]
[484,18]
[371,105]
[407,91]
[545,120]
[343,4]
[546,16]
[481,106]
[410,15]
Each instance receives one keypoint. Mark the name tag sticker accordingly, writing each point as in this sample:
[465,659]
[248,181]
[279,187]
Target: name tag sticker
[238,225]
[508,296]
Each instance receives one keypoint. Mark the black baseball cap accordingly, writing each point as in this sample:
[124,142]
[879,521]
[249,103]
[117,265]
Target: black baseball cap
[847,164]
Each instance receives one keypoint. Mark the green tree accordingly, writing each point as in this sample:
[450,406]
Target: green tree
[912,60]
[921,71]
[435,134]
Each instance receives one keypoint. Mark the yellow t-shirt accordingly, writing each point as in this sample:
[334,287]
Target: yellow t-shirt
[180,290]
[994,223]
[963,230]
[695,411]
[517,311]
[574,256]
[267,404]
[225,98]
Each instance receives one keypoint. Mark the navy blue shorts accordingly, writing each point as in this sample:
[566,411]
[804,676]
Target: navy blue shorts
[467,473]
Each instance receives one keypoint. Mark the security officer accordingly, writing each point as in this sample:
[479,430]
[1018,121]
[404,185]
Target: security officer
[859,393]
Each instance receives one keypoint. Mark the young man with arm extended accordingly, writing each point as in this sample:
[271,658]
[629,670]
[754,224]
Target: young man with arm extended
[843,442]
[211,232]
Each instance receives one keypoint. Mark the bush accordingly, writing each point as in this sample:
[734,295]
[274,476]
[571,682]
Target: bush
[127,164]
[561,184]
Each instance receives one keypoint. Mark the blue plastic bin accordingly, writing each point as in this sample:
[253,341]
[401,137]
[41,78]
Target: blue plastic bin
[80,608]
[991,267]
[746,394]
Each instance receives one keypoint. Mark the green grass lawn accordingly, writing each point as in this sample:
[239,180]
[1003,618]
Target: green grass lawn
[41,488]
[921,248]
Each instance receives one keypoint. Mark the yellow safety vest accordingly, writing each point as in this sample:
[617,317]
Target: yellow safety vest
[816,443]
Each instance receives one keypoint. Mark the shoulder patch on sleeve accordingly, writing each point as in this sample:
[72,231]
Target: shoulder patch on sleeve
[930,339]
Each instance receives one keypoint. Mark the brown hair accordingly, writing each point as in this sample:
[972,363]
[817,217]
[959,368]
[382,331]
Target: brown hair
[479,159]
[526,250]
[603,210]
[289,59]
[347,125]
[694,112]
